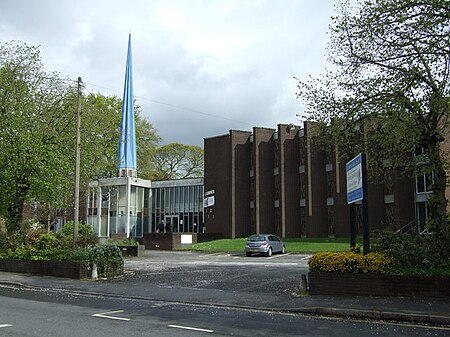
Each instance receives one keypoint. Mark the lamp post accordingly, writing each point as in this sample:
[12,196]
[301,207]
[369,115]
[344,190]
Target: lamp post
[77,165]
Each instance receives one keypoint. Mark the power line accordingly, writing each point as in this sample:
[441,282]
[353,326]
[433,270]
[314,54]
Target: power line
[174,106]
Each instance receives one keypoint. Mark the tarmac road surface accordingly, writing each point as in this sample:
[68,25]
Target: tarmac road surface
[278,274]
[36,313]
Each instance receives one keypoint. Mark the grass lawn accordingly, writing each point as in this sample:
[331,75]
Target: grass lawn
[293,245]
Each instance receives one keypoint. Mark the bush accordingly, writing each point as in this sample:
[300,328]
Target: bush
[108,258]
[83,229]
[50,246]
[349,262]
[86,237]
[48,241]
[3,243]
[414,254]
[22,252]
[33,234]
[12,241]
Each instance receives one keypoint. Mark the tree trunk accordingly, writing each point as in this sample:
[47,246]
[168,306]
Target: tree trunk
[15,214]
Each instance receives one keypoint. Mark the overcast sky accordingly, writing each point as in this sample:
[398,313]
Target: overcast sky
[200,67]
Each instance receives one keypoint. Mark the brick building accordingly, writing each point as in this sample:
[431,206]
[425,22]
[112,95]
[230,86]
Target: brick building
[280,181]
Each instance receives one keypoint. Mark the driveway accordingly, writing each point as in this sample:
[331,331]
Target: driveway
[279,274]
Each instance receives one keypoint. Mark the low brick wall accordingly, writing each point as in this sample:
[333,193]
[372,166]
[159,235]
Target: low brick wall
[170,241]
[165,241]
[76,270]
[132,250]
[378,285]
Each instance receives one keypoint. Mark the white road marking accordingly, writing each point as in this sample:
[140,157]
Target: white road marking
[105,315]
[280,255]
[189,328]
[212,254]
[5,325]
[306,257]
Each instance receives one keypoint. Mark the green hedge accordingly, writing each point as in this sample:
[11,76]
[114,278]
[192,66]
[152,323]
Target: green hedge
[349,262]
[38,245]
[413,254]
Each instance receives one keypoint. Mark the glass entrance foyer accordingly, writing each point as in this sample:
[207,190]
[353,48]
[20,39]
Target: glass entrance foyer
[178,204]
[119,206]
[132,207]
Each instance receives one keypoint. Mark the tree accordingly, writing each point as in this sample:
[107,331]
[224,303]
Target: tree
[147,142]
[37,136]
[33,139]
[178,161]
[100,138]
[100,122]
[391,76]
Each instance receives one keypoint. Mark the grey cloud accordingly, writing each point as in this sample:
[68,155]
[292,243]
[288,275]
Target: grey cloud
[89,39]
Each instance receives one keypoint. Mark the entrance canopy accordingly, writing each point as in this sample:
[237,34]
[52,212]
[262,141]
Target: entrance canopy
[119,206]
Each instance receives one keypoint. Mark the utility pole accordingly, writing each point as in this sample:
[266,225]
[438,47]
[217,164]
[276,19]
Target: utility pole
[77,165]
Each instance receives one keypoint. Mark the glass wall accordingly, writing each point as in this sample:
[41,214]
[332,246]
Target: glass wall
[129,207]
[119,206]
[178,205]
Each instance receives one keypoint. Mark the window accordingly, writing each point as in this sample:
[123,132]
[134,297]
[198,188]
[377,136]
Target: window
[422,216]
[330,183]
[424,183]
[389,199]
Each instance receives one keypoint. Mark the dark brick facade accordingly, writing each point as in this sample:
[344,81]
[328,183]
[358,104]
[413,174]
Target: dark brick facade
[281,181]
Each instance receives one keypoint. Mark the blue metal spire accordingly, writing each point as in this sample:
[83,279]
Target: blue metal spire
[127,164]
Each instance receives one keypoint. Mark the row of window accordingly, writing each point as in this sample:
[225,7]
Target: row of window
[423,182]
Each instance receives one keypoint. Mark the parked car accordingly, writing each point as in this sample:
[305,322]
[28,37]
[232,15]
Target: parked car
[264,244]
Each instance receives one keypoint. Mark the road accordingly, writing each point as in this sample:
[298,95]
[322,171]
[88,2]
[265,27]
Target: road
[45,312]
[33,313]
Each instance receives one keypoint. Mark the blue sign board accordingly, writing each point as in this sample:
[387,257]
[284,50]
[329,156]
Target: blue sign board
[354,180]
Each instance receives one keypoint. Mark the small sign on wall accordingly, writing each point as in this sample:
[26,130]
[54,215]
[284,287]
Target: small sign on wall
[209,201]
[186,239]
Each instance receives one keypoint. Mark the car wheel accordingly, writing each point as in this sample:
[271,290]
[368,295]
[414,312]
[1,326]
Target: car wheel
[248,254]
[283,250]
[269,252]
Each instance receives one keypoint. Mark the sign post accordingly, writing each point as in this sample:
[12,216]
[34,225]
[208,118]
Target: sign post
[357,192]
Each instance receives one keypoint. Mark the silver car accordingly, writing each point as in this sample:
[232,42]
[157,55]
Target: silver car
[264,244]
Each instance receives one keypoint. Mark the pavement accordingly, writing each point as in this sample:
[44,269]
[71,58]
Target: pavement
[433,311]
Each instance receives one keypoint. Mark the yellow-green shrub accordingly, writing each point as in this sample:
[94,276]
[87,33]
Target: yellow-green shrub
[349,262]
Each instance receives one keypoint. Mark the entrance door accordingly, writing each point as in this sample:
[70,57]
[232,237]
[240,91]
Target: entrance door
[422,216]
[173,221]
